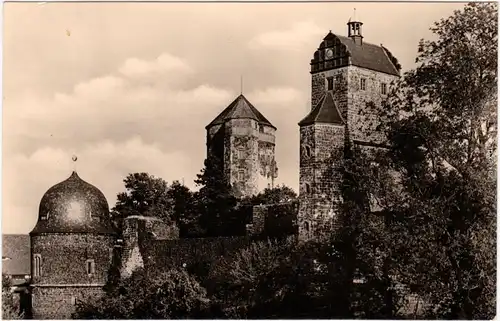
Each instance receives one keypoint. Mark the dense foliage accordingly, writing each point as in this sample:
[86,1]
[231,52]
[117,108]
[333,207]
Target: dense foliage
[215,200]
[436,182]
[10,308]
[276,195]
[172,294]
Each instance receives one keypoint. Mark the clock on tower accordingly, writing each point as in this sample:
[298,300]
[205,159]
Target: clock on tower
[329,53]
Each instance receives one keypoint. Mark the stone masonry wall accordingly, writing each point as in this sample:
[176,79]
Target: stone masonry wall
[306,179]
[250,150]
[316,200]
[64,256]
[361,124]
[58,303]
[266,166]
[317,88]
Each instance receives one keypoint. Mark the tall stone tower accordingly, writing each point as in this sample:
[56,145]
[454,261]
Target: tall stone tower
[71,248]
[244,140]
[347,73]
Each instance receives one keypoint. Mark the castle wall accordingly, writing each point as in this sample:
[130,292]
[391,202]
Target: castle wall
[318,179]
[58,303]
[318,88]
[64,271]
[64,256]
[362,123]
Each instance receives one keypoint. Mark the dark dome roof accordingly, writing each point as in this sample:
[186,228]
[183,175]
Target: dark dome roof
[73,206]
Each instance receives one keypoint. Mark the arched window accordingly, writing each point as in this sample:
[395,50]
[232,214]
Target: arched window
[37,265]
[306,226]
[308,188]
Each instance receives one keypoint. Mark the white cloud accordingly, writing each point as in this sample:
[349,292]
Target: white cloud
[296,37]
[134,67]
[104,165]
[115,124]
[276,95]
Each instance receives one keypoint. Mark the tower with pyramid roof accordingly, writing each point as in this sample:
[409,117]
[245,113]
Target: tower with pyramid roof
[347,74]
[244,140]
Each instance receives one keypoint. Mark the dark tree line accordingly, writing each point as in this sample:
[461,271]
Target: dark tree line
[213,210]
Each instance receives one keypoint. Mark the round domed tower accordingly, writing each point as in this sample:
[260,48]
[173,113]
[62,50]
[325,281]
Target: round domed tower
[71,247]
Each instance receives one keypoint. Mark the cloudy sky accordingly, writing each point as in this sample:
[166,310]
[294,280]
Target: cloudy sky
[129,87]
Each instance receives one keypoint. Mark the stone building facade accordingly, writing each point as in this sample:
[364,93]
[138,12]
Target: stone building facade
[244,140]
[347,74]
[71,248]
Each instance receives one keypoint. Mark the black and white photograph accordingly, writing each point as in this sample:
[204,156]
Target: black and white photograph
[249,160]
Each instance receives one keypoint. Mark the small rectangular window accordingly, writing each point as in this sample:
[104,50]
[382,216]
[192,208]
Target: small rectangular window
[73,300]
[241,175]
[45,217]
[241,154]
[330,83]
[90,267]
[383,88]
[363,84]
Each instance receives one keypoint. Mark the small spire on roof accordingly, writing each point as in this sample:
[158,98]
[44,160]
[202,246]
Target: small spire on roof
[74,158]
[241,85]
[354,15]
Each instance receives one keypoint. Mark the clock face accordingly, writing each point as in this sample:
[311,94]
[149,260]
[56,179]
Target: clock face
[329,53]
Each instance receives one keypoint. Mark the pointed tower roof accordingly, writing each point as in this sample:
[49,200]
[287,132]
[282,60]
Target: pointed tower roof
[238,109]
[326,112]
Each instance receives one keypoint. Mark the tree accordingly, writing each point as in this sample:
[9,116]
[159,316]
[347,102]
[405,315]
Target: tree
[269,279]
[215,201]
[276,195]
[183,208]
[145,195]
[9,309]
[171,294]
[440,125]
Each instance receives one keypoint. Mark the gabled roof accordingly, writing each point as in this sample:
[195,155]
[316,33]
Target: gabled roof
[238,109]
[357,53]
[370,56]
[326,111]
[16,254]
